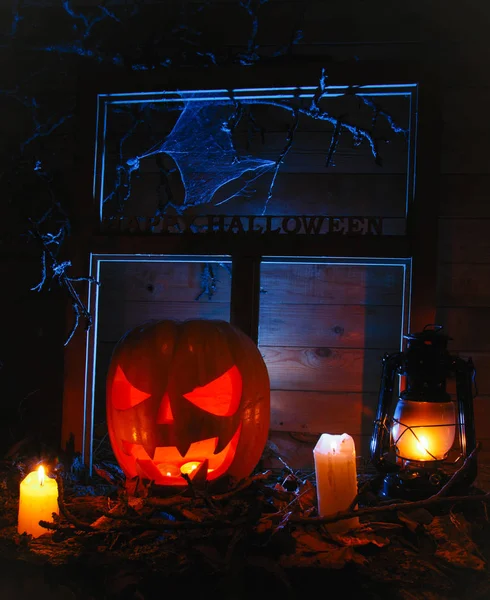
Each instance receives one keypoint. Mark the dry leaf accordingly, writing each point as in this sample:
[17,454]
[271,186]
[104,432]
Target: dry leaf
[137,487]
[332,558]
[137,504]
[361,537]
[415,518]
[192,516]
[307,496]
[104,474]
[454,544]
[308,542]
[284,521]
[264,525]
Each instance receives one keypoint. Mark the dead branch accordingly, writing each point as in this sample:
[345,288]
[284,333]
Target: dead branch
[243,485]
[438,498]
[432,501]
[459,474]
[63,509]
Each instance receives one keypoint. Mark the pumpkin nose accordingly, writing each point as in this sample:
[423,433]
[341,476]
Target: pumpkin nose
[165,415]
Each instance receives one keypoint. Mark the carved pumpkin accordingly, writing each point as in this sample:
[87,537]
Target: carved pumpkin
[187,397]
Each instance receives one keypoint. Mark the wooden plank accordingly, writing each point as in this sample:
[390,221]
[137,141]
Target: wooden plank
[465,195]
[244,305]
[308,154]
[381,194]
[481,406]
[153,281]
[465,134]
[343,245]
[324,369]
[296,449]
[330,284]
[75,358]
[423,211]
[463,285]
[467,327]
[338,326]
[119,318]
[481,361]
[316,412]
[464,240]
[353,21]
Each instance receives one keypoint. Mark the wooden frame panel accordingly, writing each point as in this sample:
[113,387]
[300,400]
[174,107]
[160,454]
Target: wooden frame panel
[420,243]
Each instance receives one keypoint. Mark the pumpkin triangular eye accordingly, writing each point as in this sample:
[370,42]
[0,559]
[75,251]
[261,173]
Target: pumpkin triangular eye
[124,394]
[220,397]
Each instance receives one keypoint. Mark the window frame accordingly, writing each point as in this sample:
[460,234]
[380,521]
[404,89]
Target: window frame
[417,248]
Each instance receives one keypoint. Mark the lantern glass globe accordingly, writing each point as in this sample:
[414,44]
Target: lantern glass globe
[423,431]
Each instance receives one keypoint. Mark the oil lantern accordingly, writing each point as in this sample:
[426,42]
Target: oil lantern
[424,429]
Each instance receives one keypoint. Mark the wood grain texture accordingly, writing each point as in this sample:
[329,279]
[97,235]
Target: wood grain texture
[467,326]
[155,281]
[297,449]
[465,195]
[338,326]
[123,316]
[463,285]
[330,284]
[323,369]
[329,192]
[317,412]
[464,240]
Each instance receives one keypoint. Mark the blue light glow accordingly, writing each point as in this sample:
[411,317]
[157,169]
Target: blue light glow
[200,141]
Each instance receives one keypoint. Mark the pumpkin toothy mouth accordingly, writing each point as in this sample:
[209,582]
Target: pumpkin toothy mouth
[168,464]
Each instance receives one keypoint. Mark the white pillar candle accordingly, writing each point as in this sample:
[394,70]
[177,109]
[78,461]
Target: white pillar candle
[37,502]
[336,478]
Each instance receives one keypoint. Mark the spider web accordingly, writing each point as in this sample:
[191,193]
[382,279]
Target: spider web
[201,144]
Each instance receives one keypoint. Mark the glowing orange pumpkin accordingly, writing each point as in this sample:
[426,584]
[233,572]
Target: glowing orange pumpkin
[187,397]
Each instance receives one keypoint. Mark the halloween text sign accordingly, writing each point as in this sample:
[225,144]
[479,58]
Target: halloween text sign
[244,224]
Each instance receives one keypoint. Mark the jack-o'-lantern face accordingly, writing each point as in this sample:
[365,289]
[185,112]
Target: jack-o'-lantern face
[187,397]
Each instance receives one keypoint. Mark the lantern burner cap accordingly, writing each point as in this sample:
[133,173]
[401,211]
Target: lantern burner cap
[430,335]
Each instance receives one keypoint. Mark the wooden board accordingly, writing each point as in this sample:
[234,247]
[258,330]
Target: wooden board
[464,240]
[467,327]
[465,195]
[329,192]
[154,281]
[330,284]
[463,285]
[124,316]
[290,325]
[317,412]
[323,369]
[325,326]
[462,109]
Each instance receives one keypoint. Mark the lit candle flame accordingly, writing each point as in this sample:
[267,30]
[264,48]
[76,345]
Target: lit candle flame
[40,474]
[169,470]
[189,467]
[423,445]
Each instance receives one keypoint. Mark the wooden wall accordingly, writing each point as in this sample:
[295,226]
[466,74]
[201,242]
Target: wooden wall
[453,40]
[323,330]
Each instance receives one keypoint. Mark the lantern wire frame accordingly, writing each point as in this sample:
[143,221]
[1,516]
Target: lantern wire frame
[385,455]
[412,430]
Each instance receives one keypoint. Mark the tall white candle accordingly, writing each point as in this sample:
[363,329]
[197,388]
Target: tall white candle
[336,478]
[37,502]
